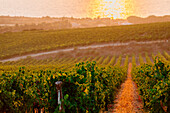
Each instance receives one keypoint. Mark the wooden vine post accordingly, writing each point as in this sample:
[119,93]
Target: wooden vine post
[58,85]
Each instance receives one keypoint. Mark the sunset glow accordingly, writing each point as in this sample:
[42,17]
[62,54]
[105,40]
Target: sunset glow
[85,8]
[112,8]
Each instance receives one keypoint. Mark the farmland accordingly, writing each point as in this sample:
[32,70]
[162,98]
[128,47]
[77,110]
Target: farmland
[16,44]
[113,69]
[91,77]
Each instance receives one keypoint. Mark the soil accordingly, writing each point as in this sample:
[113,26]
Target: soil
[128,99]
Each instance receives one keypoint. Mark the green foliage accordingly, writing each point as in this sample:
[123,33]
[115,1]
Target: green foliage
[86,88]
[35,41]
[126,63]
[112,61]
[148,59]
[119,60]
[106,60]
[153,82]
[141,59]
[163,59]
[133,62]
[167,55]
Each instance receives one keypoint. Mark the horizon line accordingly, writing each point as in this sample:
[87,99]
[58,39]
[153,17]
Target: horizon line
[81,17]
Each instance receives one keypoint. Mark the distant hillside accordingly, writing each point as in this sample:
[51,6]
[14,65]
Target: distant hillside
[17,24]
[26,20]
[19,43]
[150,19]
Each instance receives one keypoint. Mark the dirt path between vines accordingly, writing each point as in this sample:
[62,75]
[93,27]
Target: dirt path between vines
[128,100]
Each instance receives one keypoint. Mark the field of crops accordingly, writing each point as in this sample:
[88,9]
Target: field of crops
[67,63]
[91,79]
[87,87]
[13,44]
[153,83]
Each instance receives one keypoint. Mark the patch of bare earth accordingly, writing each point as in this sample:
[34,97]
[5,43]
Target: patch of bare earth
[128,100]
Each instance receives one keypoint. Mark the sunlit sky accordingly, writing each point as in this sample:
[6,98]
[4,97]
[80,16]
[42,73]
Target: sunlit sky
[85,8]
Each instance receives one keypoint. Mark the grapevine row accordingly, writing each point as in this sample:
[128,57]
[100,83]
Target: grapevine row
[86,88]
[153,84]
[14,44]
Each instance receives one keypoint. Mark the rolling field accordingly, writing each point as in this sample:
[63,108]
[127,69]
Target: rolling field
[100,60]
[91,77]
[16,44]
[104,74]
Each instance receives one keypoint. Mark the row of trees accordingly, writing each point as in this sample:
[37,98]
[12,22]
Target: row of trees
[42,26]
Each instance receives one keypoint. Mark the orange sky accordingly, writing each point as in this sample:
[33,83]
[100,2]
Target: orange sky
[85,8]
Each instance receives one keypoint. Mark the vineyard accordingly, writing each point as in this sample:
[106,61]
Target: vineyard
[87,87]
[153,82]
[68,62]
[90,84]
[86,80]
[20,43]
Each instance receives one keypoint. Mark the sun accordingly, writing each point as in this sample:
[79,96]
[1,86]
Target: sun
[113,9]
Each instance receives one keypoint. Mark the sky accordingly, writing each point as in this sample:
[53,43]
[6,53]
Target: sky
[85,8]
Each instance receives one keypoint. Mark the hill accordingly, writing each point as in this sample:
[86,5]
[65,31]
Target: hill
[150,19]
[19,43]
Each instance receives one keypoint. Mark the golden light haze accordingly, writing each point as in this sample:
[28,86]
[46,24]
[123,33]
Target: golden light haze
[85,8]
[113,8]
